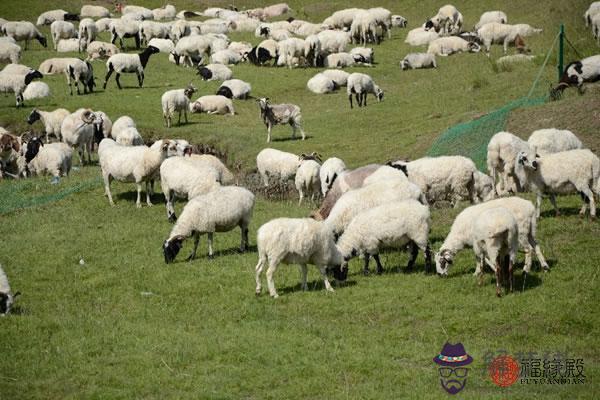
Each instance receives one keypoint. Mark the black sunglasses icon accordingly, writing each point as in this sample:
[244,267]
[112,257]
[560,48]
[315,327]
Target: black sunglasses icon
[446,372]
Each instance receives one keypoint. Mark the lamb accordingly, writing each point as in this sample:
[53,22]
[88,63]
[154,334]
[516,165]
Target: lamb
[215,72]
[226,57]
[100,50]
[276,163]
[307,176]
[503,33]
[553,140]
[149,30]
[128,63]
[80,129]
[329,171]
[52,121]
[209,161]
[421,37]
[340,78]
[131,164]
[579,72]
[17,83]
[418,60]
[364,55]
[106,124]
[124,28]
[502,152]
[484,187]
[489,17]
[93,12]
[36,90]
[280,114]
[80,71]
[461,234]
[182,178]
[321,84]
[192,48]
[164,45]
[48,17]
[361,85]
[573,171]
[23,30]
[220,210]
[54,158]
[592,10]
[295,240]
[176,100]
[70,45]
[235,89]
[7,297]
[87,32]
[448,20]
[166,12]
[213,104]
[62,30]
[10,52]
[446,46]
[394,224]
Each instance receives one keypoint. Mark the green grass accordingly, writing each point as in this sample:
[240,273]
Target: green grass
[125,325]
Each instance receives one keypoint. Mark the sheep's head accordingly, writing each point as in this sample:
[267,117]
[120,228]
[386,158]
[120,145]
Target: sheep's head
[33,148]
[404,64]
[195,107]
[98,128]
[264,31]
[171,248]
[88,116]
[176,57]
[443,260]
[474,47]
[6,302]
[263,102]
[189,91]
[204,72]
[528,160]
[33,116]
[430,24]
[340,272]
[35,74]
[378,93]
[399,21]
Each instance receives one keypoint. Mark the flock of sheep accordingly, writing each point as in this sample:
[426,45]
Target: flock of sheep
[364,210]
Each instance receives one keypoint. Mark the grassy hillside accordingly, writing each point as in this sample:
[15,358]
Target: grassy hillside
[125,325]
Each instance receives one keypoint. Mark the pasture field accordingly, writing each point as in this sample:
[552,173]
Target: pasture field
[125,325]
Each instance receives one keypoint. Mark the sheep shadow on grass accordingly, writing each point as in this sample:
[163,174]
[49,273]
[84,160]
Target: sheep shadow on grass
[564,212]
[289,138]
[314,286]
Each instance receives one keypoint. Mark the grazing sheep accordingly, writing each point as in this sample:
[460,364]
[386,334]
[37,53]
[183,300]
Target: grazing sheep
[446,46]
[9,52]
[295,241]
[131,164]
[128,63]
[235,89]
[7,297]
[341,19]
[193,49]
[166,12]
[503,33]
[321,84]
[276,163]
[418,60]
[213,104]
[573,171]
[448,21]
[176,100]
[364,28]
[163,45]
[70,45]
[592,10]
[553,140]
[90,11]
[307,176]
[280,114]
[125,28]
[17,83]
[62,30]
[209,161]
[421,37]
[502,152]
[226,57]
[182,178]
[240,47]
[340,78]
[52,121]
[23,30]
[149,30]
[48,17]
[101,50]
[80,129]
[394,224]
[330,170]
[220,210]
[360,85]
[54,158]
[489,17]
[106,123]
[215,72]
[87,32]
[579,72]
[484,187]
[80,71]
[36,90]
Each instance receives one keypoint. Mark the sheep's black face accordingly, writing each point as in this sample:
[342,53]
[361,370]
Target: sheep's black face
[264,31]
[171,249]
[340,272]
[429,25]
[225,91]
[205,73]
[6,302]
[33,148]
[34,116]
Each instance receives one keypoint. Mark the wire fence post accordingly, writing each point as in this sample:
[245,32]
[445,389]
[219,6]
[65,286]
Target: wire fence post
[561,48]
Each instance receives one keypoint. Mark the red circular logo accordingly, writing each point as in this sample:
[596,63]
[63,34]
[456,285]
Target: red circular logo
[504,371]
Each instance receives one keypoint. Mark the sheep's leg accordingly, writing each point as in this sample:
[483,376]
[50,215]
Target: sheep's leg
[167,120]
[244,243]
[265,178]
[138,202]
[366,264]
[210,245]
[553,201]
[323,270]
[428,259]
[498,279]
[185,115]
[293,130]
[350,99]
[364,95]
[538,204]
[479,270]
[139,78]
[179,118]
[170,199]
[142,81]
[379,266]
[107,179]
[584,204]
[590,197]
[301,193]
[303,273]
[108,74]
[117,76]
[299,125]
[269,133]
[270,283]
[262,260]
[506,45]
[148,194]
[414,252]
[511,277]
[196,243]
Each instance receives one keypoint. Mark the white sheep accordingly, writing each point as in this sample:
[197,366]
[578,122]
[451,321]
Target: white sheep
[125,28]
[53,158]
[235,89]
[215,72]
[290,49]
[131,164]
[149,30]
[80,71]
[341,60]
[240,47]
[333,41]
[383,18]
[579,72]
[339,77]
[295,241]
[553,140]
[341,19]
[7,297]
[461,233]
[69,45]
[53,66]
[364,28]
[52,121]
[87,32]
[502,152]
[121,124]
[36,90]
[244,24]
[220,210]
[226,57]
[62,30]
[163,45]
[128,63]
[16,83]
[491,16]
[179,29]
[143,12]
[442,178]
[212,104]
[90,11]
[166,12]
[418,60]
[276,163]
[307,28]
[182,178]
[129,136]
[330,170]
[361,85]
[321,84]
[596,27]
[592,10]
[448,21]
[446,46]
[276,10]
[79,129]
[573,171]
[307,176]
[364,55]
[104,24]
[48,17]
[101,50]
[395,224]
[209,161]
[193,49]
[23,30]
[19,69]
[421,37]
[503,33]
[106,123]
[182,147]
[280,114]
[176,100]
[484,187]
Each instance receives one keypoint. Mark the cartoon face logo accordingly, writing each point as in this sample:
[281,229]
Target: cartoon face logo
[452,360]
